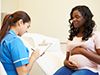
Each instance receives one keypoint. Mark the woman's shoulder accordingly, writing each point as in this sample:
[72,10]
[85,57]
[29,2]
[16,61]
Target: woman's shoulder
[95,32]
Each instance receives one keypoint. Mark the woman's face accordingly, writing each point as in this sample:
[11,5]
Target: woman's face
[24,28]
[78,20]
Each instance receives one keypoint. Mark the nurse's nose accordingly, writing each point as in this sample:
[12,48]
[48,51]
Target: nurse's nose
[26,31]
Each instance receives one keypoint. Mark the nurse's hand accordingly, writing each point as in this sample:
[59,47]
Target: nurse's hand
[35,53]
[70,65]
[42,54]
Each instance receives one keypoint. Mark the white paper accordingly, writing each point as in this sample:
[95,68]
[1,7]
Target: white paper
[43,48]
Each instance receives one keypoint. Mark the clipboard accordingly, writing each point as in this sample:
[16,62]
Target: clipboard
[43,48]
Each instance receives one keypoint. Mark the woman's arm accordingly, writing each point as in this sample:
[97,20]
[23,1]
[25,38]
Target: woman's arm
[68,63]
[67,58]
[92,56]
[25,69]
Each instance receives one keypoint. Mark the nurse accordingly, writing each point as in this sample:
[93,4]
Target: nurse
[13,54]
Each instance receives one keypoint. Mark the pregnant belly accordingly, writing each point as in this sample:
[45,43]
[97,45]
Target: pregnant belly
[81,61]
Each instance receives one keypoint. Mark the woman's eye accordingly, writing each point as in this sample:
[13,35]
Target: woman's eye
[77,17]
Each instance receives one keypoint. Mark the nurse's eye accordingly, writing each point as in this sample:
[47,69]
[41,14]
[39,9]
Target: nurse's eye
[28,26]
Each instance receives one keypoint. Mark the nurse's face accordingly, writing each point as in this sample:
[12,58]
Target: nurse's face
[24,28]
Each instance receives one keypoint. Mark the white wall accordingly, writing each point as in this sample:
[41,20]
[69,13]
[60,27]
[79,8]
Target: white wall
[9,6]
[50,17]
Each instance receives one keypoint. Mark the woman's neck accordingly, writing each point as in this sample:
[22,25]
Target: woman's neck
[80,35]
[81,30]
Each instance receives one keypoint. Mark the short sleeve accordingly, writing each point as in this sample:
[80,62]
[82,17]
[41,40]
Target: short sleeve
[97,40]
[67,46]
[19,53]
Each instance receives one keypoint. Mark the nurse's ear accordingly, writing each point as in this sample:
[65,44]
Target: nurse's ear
[20,22]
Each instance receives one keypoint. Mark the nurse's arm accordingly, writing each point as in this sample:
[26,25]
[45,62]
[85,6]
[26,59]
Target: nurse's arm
[25,69]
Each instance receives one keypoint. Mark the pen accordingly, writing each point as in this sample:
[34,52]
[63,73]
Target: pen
[32,49]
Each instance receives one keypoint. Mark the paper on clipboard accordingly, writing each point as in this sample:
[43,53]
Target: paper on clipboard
[43,48]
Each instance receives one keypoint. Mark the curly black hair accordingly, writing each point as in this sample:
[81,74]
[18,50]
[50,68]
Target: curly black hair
[89,24]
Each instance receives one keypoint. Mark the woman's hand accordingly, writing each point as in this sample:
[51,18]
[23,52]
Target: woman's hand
[77,50]
[70,65]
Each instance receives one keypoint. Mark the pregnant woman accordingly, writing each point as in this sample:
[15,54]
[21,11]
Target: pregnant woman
[83,45]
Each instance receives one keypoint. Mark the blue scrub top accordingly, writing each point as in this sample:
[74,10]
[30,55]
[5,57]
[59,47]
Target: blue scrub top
[13,53]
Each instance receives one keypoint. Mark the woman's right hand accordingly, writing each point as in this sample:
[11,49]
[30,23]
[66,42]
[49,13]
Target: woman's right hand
[35,53]
[70,65]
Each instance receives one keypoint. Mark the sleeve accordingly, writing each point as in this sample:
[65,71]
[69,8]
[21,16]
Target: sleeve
[97,40]
[19,53]
[67,47]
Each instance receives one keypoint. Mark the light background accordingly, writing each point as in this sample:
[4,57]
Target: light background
[50,17]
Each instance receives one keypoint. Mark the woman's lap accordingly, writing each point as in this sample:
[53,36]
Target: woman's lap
[66,71]
[84,72]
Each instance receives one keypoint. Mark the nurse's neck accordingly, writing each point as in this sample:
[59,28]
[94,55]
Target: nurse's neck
[15,30]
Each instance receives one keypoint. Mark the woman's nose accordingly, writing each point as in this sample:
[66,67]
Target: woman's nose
[74,19]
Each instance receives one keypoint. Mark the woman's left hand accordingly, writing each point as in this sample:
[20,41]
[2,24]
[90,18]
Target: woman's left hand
[77,50]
